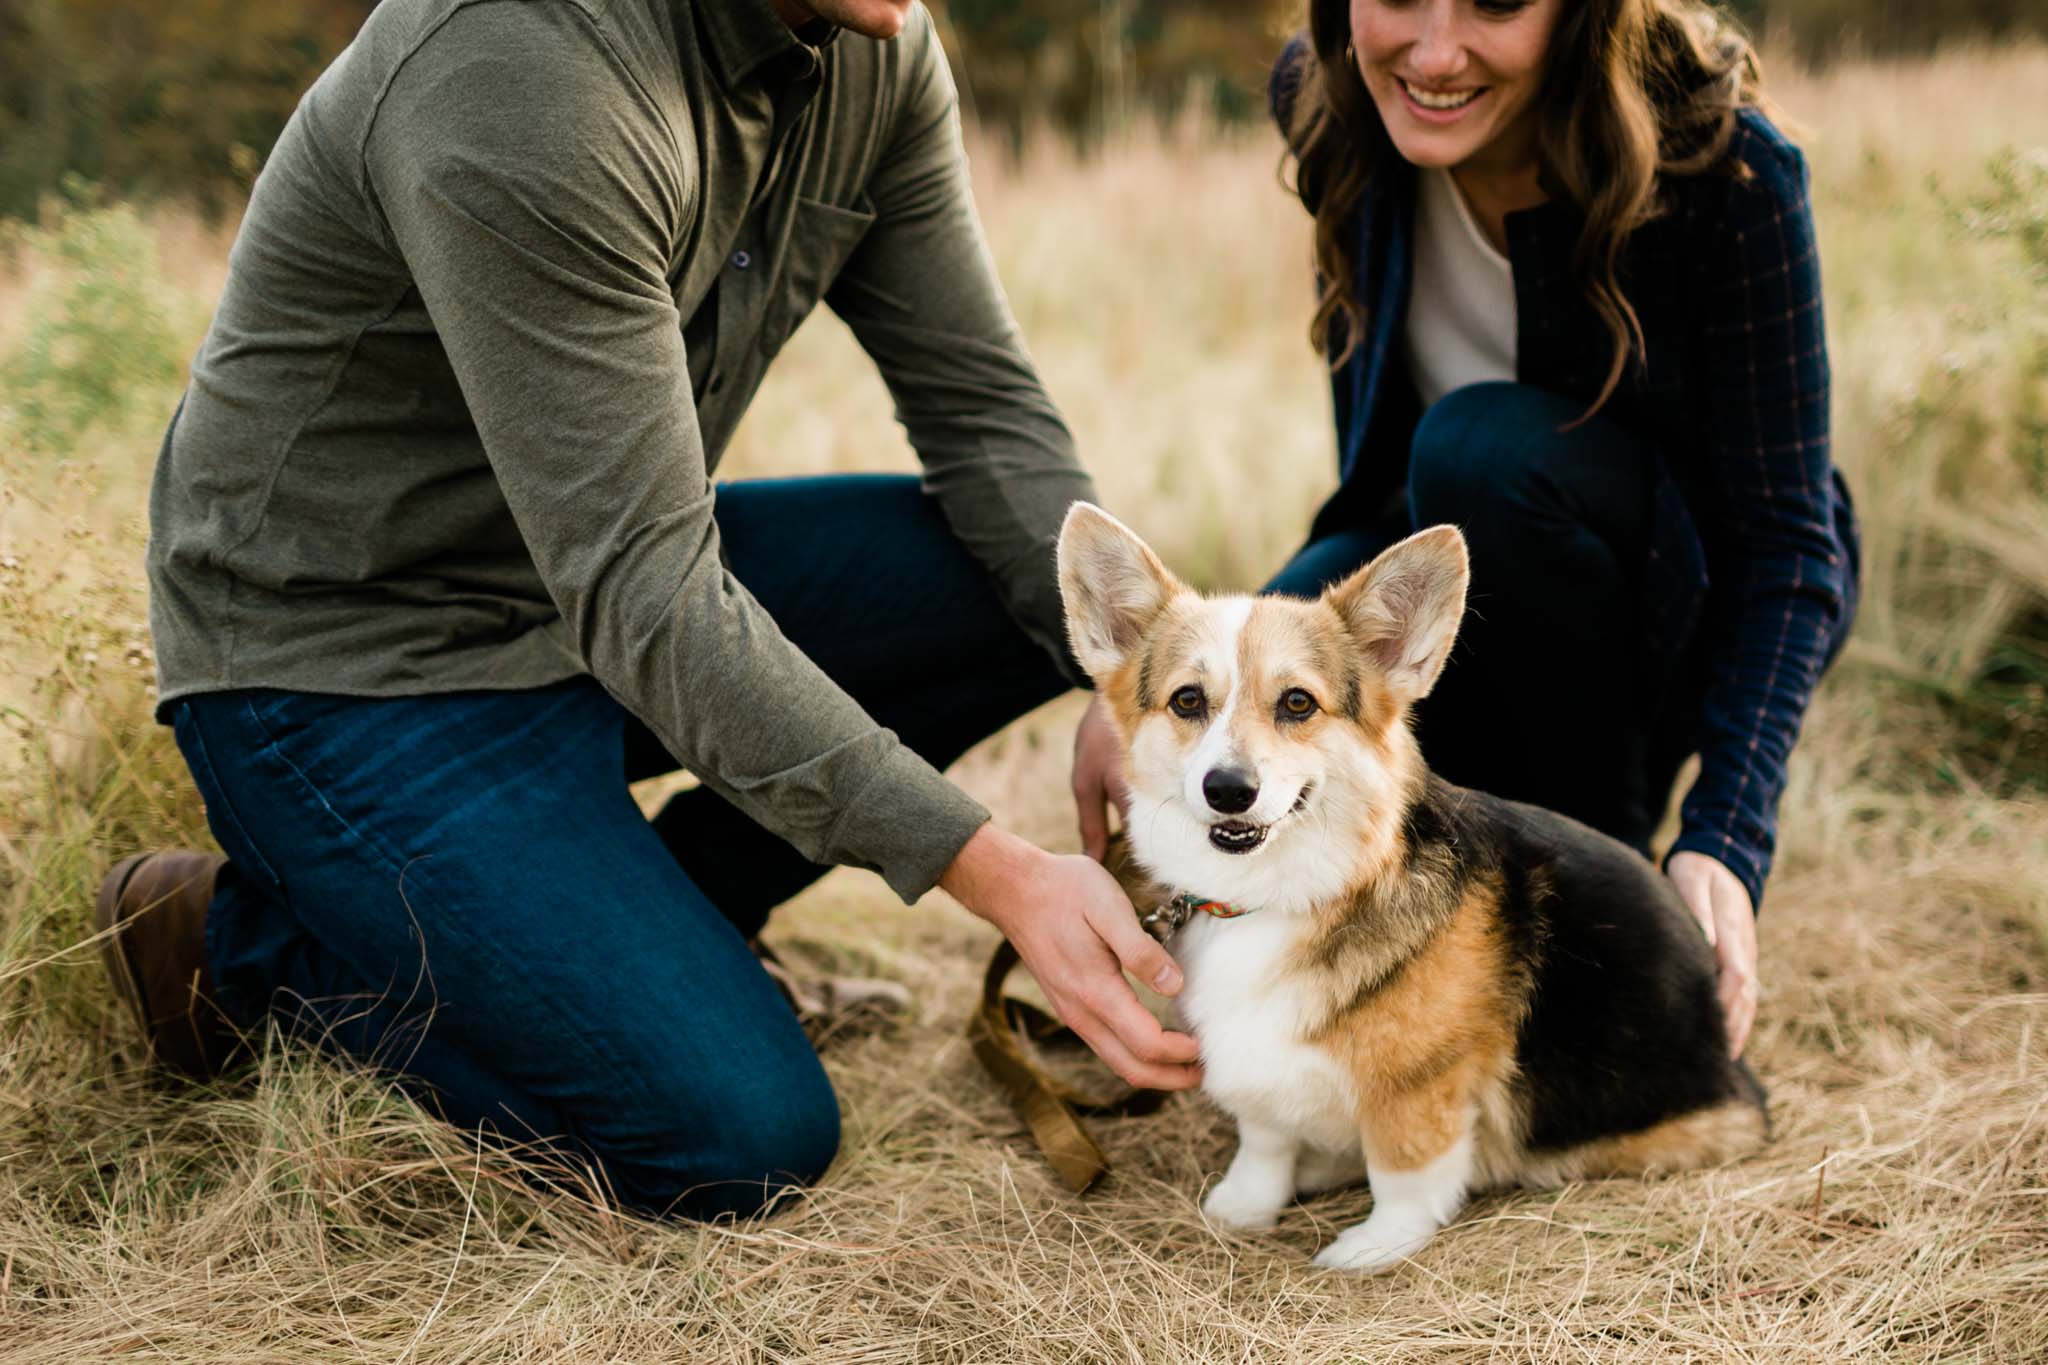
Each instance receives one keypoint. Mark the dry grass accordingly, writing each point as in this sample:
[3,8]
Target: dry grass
[1902,1212]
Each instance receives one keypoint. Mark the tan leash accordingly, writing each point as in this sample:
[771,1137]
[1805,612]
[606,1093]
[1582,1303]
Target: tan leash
[1002,1031]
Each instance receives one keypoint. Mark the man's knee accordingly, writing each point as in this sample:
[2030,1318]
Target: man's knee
[737,1147]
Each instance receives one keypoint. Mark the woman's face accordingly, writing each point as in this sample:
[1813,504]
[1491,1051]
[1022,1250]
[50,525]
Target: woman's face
[1456,80]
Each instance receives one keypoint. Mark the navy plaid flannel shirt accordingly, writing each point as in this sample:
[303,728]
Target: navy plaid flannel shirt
[1752,580]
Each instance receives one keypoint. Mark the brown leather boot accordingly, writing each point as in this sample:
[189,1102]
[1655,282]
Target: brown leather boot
[155,906]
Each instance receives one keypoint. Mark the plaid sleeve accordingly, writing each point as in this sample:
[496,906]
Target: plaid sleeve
[1781,590]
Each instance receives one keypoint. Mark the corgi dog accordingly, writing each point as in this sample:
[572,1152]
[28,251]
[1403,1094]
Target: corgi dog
[1391,978]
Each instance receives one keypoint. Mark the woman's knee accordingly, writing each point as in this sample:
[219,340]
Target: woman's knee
[1326,561]
[1483,450]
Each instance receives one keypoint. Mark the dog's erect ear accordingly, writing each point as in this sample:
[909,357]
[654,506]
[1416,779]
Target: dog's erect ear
[1404,607]
[1112,585]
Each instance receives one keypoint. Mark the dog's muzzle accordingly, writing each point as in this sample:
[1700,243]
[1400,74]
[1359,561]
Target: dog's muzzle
[1237,836]
[1242,836]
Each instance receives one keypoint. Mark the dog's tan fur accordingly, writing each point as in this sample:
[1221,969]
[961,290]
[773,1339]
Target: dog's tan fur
[1434,1045]
[1706,1138]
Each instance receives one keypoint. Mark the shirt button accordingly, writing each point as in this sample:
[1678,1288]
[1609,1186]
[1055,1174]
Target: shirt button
[741,260]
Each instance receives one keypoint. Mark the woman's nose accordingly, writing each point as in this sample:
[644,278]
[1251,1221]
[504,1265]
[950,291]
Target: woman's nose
[1438,53]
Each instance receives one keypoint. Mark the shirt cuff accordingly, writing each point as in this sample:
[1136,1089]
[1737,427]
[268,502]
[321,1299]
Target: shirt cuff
[1749,865]
[907,823]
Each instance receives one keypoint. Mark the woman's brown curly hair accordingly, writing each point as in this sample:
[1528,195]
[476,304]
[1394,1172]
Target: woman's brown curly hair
[1635,89]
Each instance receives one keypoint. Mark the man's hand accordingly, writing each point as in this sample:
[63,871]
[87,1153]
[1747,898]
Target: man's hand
[1098,780]
[1718,899]
[1075,931]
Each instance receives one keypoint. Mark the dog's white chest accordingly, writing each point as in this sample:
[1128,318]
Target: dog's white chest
[1250,1024]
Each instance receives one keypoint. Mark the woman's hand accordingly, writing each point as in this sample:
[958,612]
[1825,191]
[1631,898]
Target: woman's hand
[1075,930]
[1098,779]
[1718,899]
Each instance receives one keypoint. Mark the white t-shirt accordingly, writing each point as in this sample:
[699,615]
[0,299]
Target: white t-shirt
[1461,307]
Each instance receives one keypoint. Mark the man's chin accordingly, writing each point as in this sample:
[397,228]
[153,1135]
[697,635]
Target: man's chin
[880,19]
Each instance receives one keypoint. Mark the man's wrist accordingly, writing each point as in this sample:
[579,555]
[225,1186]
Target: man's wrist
[990,860]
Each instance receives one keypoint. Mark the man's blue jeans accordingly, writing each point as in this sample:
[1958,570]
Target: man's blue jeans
[460,889]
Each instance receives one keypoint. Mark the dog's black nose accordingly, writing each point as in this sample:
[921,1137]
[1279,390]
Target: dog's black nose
[1228,791]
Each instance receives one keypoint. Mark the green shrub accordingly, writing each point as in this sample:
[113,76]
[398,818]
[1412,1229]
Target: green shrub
[100,342]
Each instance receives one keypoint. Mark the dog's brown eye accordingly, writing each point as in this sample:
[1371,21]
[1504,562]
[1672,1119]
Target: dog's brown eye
[1296,704]
[1187,703]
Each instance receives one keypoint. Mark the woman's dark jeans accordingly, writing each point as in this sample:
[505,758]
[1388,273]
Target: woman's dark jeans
[1550,695]
[459,887]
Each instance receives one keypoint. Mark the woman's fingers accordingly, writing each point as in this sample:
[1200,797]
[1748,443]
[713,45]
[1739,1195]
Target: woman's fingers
[1736,951]
[1718,899]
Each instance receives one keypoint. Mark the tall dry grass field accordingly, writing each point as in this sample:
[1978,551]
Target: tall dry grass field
[1901,1213]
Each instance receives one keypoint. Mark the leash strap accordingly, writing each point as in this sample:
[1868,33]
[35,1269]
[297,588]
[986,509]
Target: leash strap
[1001,1031]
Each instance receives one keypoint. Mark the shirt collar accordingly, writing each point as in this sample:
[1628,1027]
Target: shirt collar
[747,39]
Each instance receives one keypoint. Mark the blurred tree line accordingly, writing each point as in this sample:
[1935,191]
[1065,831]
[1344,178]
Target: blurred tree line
[1087,64]
[154,96]
[186,96]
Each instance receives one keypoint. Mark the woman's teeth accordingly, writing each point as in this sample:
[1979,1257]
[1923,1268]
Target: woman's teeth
[1428,99]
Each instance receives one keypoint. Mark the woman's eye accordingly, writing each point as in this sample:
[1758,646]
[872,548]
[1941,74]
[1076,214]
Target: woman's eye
[1186,703]
[1296,704]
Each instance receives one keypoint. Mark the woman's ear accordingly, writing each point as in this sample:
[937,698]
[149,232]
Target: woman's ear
[1112,585]
[1403,609]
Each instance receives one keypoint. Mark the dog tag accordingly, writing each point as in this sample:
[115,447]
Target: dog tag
[1164,919]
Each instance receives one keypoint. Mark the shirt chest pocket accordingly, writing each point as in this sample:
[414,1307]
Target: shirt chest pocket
[822,237]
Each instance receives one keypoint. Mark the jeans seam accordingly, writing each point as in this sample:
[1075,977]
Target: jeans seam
[227,807]
[230,999]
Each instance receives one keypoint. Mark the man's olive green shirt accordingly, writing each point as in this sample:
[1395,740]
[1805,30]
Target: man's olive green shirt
[502,293]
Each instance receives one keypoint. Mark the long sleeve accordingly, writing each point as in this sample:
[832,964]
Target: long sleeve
[535,194]
[1782,592]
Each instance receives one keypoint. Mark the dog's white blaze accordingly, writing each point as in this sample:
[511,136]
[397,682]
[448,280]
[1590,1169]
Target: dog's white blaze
[1216,748]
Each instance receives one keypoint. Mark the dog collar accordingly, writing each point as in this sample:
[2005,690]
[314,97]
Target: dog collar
[1170,915]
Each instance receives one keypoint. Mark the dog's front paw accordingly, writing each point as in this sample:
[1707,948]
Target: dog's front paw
[1241,1205]
[1369,1250]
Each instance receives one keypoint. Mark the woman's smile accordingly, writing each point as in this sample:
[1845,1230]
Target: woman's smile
[1437,106]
